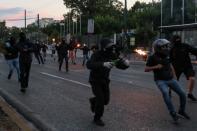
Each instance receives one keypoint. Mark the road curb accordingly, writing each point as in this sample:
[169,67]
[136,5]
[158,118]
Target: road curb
[26,112]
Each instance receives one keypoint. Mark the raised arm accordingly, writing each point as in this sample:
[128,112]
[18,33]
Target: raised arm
[151,68]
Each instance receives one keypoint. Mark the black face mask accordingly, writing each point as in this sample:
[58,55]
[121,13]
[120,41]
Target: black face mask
[165,52]
[177,42]
[111,52]
[111,49]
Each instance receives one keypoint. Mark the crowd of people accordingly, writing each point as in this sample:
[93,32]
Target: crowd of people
[19,55]
[168,61]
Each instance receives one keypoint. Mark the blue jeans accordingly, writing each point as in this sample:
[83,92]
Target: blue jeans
[14,63]
[164,85]
[85,57]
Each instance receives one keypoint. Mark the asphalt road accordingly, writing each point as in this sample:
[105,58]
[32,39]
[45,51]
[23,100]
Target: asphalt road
[61,99]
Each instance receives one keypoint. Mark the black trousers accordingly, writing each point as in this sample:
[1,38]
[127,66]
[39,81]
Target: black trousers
[61,59]
[24,74]
[102,97]
[39,58]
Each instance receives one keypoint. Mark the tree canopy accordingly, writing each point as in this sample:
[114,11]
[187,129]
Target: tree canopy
[93,7]
[173,13]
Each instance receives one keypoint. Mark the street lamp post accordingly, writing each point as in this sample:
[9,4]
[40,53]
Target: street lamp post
[125,38]
[183,11]
[76,26]
[125,16]
[61,30]
[67,23]
[161,17]
[183,18]
[195,9]
[80,24]
[73,32]
[172,5]
[64,27]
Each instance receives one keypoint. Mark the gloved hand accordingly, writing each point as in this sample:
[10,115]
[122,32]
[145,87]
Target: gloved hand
[108,65]
[122,64]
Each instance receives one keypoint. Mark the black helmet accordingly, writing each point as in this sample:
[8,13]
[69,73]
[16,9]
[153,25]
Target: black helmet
[158,44]
[106,43]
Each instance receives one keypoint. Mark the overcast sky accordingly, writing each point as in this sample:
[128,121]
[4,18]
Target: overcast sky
[14,9]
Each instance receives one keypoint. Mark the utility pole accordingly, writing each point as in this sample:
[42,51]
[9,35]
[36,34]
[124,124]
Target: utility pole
[38,21]
[25,19]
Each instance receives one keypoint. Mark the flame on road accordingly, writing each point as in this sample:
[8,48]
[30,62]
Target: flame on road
[140,52]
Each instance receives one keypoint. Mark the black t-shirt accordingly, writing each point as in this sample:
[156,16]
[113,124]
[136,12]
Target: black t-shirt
[165,73]
[85,50]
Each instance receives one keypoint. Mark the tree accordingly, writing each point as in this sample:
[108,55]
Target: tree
[107,24]
[52,31]
[145,18]
[174,16]
[92,7]
[14,31]
[3,30]
[98,10]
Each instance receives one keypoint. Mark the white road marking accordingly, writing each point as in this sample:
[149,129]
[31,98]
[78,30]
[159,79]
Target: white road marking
[74,70]
[58,77]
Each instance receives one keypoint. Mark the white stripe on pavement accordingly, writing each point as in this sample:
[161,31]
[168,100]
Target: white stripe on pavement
[73,81]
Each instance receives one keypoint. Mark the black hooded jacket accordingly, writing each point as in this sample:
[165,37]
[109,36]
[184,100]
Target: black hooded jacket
[11,51]
[98,72]
[179,55]
[25,48]
[63,49]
